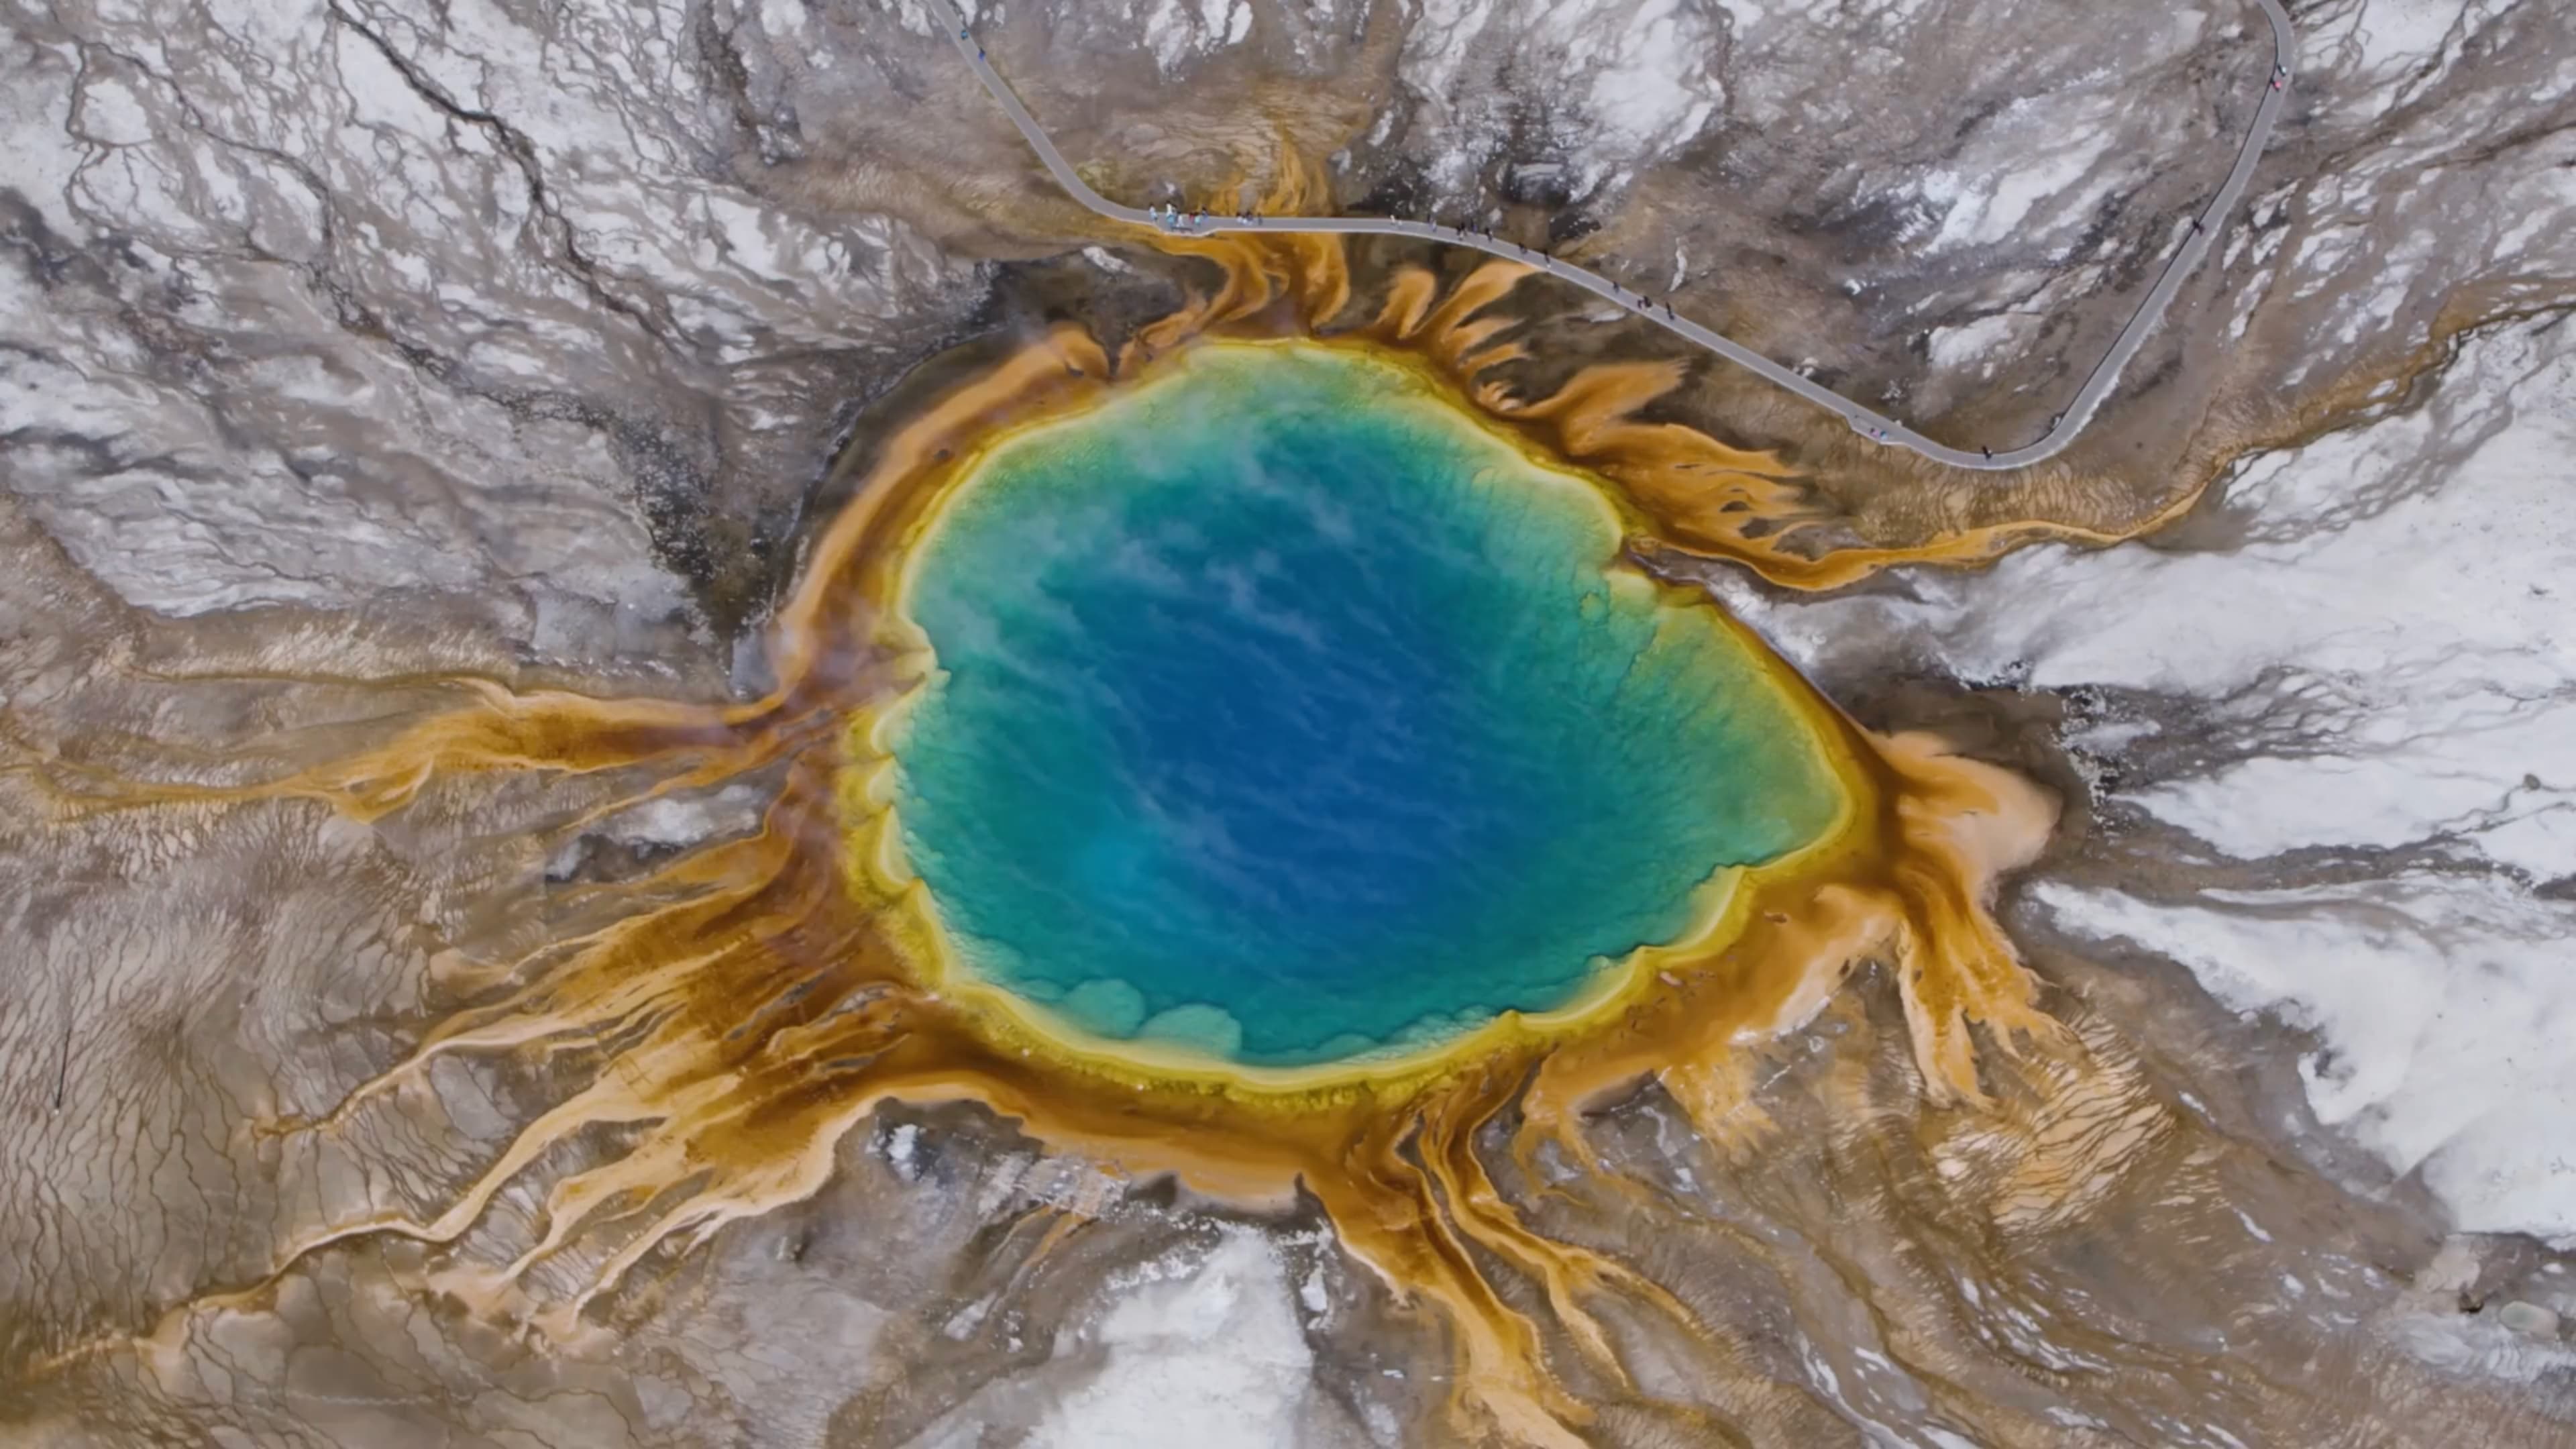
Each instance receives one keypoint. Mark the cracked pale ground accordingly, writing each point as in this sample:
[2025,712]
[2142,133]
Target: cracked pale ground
[350,351]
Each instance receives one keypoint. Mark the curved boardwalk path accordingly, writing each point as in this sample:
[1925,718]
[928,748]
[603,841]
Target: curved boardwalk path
[2061,430]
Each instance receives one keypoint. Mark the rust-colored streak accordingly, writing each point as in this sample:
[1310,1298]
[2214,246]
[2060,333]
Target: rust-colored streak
[750,1006]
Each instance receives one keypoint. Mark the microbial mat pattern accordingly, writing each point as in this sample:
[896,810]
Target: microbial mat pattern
[1087,691]
[1284,715]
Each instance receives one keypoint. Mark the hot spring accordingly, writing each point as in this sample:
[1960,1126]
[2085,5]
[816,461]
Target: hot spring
[1284,715]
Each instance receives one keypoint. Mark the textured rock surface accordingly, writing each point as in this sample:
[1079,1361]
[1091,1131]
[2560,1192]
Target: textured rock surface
[346,344]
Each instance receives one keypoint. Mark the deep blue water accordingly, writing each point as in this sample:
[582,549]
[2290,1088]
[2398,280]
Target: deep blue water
[1278,697]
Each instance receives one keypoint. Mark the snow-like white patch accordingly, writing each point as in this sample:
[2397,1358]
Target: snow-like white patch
[2443,1004]
[2404,32]
[35,103]
[901,1144]
[1649,70]
[1638,77]
[1213,1357]
[1877,15]
[1312,1293]
[1980,340]
[1180,31]
[2540,205]
[674,821]
[921,18]
[2393,653]
[2424,636]
[2037,165]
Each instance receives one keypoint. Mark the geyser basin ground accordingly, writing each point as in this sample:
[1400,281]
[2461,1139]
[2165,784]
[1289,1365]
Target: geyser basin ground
[1283,715]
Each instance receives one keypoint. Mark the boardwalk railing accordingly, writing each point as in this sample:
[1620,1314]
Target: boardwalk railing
[2062,429]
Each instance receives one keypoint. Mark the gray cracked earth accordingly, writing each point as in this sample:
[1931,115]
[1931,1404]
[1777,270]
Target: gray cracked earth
[346,345]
